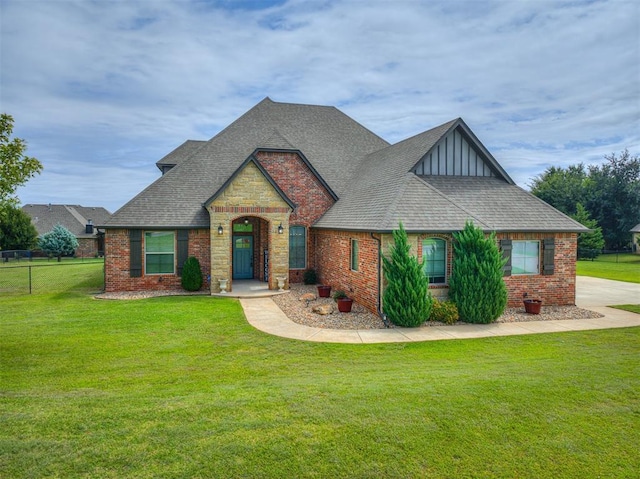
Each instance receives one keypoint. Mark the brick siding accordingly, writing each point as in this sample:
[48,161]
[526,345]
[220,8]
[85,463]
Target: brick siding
[117,264]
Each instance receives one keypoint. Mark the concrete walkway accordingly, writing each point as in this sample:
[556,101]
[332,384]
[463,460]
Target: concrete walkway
[592,293]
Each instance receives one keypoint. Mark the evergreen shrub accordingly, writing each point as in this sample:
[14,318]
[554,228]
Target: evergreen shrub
[444,312]
[407,301]
[476,285]
[191,274]
[310,276]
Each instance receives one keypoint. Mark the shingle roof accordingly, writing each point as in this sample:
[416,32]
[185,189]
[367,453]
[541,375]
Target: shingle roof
[331,141]
[72,217]
[372,179]
[636,228]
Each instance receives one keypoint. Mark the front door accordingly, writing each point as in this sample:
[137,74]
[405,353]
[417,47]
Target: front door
[242,257]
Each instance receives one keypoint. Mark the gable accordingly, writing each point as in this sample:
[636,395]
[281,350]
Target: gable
[250,187]
[459,153]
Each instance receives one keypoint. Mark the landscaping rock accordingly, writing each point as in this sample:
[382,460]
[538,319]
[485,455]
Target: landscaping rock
[323,309]
[308,297]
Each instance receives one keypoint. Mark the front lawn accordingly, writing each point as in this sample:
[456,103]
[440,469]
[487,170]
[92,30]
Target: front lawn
[619,267]
[184,387]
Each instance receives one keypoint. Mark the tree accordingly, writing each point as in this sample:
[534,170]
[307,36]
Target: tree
[407,301]
[561,188]
[476,285]
[16,229]
[15,167]
[191,274]
[589,244]
[58,242]
[613,197]
[610,193]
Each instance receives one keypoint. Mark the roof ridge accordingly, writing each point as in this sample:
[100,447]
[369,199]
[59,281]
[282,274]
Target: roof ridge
[76,214]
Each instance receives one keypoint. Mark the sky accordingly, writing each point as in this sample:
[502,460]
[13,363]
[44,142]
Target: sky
[103,89]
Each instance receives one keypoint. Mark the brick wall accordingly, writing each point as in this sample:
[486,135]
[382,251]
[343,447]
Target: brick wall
[333,253]
[558,289]
[333,259]
[301,186]
[117,263]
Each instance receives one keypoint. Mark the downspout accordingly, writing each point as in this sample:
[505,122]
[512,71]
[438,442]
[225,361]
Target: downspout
[383,316]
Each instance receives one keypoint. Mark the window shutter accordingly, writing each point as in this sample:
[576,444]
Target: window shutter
[506,247]
[183,249]
[135,253]
[548,266]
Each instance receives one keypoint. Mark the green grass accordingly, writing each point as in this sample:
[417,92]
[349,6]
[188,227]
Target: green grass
[621,267]
[634,308]
[184,387]
[87,275]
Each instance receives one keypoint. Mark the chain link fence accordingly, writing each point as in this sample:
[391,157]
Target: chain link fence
[37,276]
[607,255]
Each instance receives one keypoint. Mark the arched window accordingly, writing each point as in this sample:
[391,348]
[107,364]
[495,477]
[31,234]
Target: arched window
[434,254]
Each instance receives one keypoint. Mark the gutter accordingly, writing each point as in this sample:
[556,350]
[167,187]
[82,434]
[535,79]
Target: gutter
[383,316]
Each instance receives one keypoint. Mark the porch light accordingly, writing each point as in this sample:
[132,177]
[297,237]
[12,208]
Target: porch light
[220,230]
[280,229]
[246,221]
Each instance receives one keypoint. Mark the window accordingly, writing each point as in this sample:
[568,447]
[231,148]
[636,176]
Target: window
[434,255]
[355,255]
[525,257]
[159,252]
[297,247]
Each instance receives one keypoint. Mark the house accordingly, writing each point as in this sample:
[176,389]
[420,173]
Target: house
[79,220]
[635,241]
[287,187]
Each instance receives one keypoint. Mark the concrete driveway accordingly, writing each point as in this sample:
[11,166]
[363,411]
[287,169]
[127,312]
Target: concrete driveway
[595,292]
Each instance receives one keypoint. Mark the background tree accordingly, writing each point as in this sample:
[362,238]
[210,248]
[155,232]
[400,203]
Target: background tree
[563,189]
[58,242]
[610,193]
[476,285]
[15,167]
[589,244]
[613,197]
[407,301]
[16,230]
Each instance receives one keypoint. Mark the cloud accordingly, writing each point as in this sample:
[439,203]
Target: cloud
[102,90]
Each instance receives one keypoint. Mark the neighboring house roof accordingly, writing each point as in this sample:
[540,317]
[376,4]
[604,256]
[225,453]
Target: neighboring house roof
[415,181]
[73,217]
[636,228]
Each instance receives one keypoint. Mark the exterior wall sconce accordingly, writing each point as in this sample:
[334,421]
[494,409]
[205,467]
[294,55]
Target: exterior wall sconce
[246,221]
[280,229]
[220,230]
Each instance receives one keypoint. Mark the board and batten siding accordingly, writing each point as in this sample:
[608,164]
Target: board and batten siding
[453,155]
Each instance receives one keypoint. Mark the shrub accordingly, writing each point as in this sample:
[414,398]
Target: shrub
[191,274]
[476,285]
[407,301]
[444,312]
[58,242]
[310,276]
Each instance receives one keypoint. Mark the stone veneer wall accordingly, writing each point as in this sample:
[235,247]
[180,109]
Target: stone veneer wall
[249,194]
[116,263]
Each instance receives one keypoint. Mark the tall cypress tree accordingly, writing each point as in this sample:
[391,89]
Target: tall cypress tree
[476,285]
[407,301]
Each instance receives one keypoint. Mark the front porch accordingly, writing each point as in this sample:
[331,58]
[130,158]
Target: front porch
[250,288]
